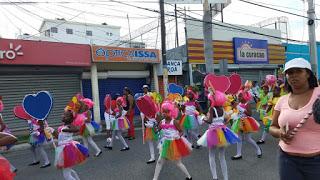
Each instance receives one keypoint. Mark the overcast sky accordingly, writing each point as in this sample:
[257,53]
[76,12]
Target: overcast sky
[26,18]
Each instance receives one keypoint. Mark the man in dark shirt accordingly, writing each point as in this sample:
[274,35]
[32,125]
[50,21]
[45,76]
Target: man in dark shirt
[130,111]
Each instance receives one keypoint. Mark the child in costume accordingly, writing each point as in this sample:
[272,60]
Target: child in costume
[189,121]
[245,125]
[37,140]
[218,136]
[69,152]
[265,96]
[172,146]
[109,116]
[121,123]
[150,135]
[267,119]
[7,170]
[88,127]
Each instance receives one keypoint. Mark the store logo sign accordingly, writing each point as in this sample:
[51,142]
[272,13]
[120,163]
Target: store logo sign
[12,53]
[250,50]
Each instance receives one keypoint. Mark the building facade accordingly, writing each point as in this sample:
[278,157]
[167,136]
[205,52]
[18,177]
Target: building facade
[27,67]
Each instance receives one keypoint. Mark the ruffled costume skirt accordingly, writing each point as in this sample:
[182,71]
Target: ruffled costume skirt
[70,154]
[218,136]
[188,122]
[89,129]
[37,138]
[245,125]
[174,149]
[5,170]
[121,124]
[150,134]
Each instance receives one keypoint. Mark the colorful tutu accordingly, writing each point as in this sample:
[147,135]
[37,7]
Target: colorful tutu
[70,154]
[36,139]
[218,136]
[174,149]
[89,129]
[150,134]
[267,121]
[246,125]
[189,122]
[120,124]
[5,170]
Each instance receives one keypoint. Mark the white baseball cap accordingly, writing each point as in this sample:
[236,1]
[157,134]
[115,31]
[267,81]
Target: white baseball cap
[297,63]
[145,86]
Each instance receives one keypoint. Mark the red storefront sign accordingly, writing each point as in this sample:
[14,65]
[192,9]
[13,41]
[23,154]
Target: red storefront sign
[26,52]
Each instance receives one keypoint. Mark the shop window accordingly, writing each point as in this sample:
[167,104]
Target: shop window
[69,31]
[89,33]
[54,29]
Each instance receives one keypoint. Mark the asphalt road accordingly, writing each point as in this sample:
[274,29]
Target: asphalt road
[131,165]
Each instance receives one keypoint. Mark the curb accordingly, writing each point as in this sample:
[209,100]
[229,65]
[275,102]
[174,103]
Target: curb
[24,146]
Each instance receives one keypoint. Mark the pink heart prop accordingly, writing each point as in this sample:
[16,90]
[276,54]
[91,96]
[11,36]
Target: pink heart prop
[20,113]
[147,106]
[219,83]
[235,85]
[107,102]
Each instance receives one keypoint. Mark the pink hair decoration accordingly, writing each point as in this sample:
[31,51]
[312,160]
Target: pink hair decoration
[170,106]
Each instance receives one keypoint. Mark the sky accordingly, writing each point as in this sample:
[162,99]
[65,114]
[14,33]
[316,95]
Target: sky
[18,18]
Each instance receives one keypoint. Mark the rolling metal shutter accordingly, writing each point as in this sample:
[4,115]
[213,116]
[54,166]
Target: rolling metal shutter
[112,86]
[13,88]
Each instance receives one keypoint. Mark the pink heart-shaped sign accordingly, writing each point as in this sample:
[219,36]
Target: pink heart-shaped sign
[20,113]
[219,83]
[235,83]
[147,106]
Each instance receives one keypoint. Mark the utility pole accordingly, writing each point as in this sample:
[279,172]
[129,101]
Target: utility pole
[176,19]
[129,31]
[207,36]
[312,37]
[163,47]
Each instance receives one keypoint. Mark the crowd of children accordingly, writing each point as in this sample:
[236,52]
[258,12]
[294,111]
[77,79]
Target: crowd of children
[176,127]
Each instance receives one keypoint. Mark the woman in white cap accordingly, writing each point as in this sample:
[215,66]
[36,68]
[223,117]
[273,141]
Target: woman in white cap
[299,147]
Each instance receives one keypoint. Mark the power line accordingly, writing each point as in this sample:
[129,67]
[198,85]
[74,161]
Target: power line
[268,7]
[198,20]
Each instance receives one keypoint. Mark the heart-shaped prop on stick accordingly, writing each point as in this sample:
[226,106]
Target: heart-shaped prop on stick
[20,113]
[107,102]
[219,83]
[147,106]
[175,89]
[39,105]
[235,84]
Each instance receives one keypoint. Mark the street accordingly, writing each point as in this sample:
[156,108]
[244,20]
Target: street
[132,165]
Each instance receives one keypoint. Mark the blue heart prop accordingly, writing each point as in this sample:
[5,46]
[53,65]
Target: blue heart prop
[137,95]
[173,88]
[38,105]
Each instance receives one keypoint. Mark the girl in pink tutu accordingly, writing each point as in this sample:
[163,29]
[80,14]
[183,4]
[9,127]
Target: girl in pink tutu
[69,152]
[172,146]
[88,127]
[218,136]
[121,123]
[245,125]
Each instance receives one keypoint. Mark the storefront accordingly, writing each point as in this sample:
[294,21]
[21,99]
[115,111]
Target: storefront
[253,59]
[116,68]
[27,67]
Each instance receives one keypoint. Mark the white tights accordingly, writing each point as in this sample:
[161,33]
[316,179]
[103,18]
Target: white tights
[119,134]
[223,163]
[39,149]
[88,140]
[151,148]
[160,163]
[247,137]
[264,135]
[70,174]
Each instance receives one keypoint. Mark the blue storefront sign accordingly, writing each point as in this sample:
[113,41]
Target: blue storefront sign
[250,51]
